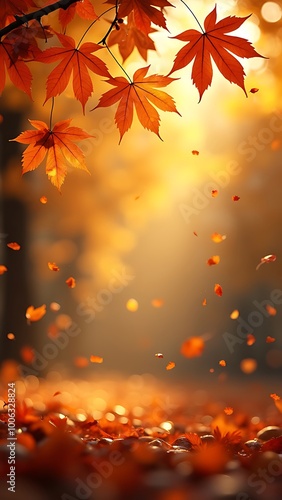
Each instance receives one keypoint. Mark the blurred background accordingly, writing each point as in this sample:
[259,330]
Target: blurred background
[136,233]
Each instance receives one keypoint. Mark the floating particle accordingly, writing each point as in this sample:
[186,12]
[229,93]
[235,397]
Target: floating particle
[27,354]
[217,237]
[43,200]
[212,261]
[222,362]
[35,313]
[214,193]
[81,361]
[53,267]
[235,197]
[54,306]
[71,282]
[14,245]
[192,347]
[248,365]
[275,397]
[159,355]
[3,269]
[218,290]
[132,305]
[250,339]
[211,370]
[272,311]
[195,152]
[96,359]
[170,365]
[270,340]
[228,410]
[235,314]
[157,303]
[204,302]
[11,336]
[195,233]
[56,393]
[266,259]
[254,90]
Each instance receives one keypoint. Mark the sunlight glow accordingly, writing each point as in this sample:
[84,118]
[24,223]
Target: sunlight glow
[271,12]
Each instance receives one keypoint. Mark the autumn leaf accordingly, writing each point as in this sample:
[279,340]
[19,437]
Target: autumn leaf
[35,313]
[228,410]
[269,339]
[23,39]
[53,266]
[59,145]
[84,10]
[214,193]
[128,36]
[272,311]
[222,362]
[144,12]
[159,355]
[19,73]
[3,269]
[73,61]
[138,93]
[214,43]
[71,282]
[254,90]
[235,197]
[43,200]
[250,339]
[11,7]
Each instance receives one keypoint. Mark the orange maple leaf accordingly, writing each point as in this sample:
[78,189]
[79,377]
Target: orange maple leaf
[138,93]
[19,73]
[144,12]
[213,43]
[59,145]
[128,36]
[76,61]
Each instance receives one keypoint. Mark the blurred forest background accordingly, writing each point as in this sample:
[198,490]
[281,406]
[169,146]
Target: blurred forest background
[137,213]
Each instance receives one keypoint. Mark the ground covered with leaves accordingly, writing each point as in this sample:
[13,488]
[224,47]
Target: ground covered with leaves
[137,438]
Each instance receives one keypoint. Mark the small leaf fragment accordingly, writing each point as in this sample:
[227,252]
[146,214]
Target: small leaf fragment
[214,193]
[3,269]
[53,267]
[35,314]
[266,259]
[275,397]
[235,314]
[212,261]
[13,245]
[159,355]
[192,347]
[254,90]
[272,311]
[235,197]
[270,340]
[71,282]
[204,302]
[218,290]
[96,359]
[217,237]
[222,362]
[250,339]
[43,200]
[195,152]
[228,410]
[170,365]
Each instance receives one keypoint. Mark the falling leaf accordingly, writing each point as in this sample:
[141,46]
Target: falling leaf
[53,267]
[35,314]
[3,269]
[217,237]
[192,347]
[11,336]
[228,410]
[71,282]
[138,93]
[43,200]
[59,145]
[218,290]
[271,310]
[212,261]
[222,362]
[214,44]
[27,354]
[132,305]
[13,245]
[254,90]
[170,365]
[266,260]
[214,193]
[270,340]
[250,339]
[96,359]
[275,397]
[204,302]
[159,355]
[235,314]
[81,361]
[235,197]
[195,152]
[157,303]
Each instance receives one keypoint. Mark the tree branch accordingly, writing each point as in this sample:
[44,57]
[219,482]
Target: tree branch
[20,20]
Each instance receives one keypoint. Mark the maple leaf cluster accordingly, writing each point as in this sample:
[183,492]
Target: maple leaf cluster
[130,29]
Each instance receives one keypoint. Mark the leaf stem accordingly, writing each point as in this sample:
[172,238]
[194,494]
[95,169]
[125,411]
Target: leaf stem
[191,12]
[118,63]
[51,113]
[92,24]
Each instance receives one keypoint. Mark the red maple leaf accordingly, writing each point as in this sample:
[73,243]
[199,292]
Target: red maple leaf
[214,44]
[23,39]
[10,8]
[144,12]
[84,9]
[59,145]
[19,73]
[128,36]
[138,93]
[76,61]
